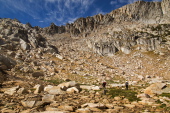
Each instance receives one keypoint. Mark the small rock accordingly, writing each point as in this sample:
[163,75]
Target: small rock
[85,87]
[38,74]
[96,88]
[129,106]
[38,88]
[53,112]
[83,110]
[117,98]
[48,98]
[49,108]
[55,90]
[72,90]
[6,110]
[11,91]
[95,109]
[64,86]
[29,104]
[26,111]
[22,91]
[110,106]
[93,105]
[47,88]
[66,108]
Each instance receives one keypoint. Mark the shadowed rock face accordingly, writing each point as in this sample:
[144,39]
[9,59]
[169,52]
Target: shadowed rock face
[111,47]
[105,48]
[6,63]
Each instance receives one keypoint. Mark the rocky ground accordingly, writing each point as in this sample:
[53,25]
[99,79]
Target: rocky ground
[60,69]
[23,96]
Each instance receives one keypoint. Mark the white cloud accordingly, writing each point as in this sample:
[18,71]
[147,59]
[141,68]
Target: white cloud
[132,1]
[71,20]
[50,10]
[156,0]
[98,11]
[41,21]
[51,1]
[113,2]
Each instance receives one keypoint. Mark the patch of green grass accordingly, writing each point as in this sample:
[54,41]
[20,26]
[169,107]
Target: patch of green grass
[165,95]
[56,81]
[129,94]
[32,89]
[158,101]
[163,105]
[115,81]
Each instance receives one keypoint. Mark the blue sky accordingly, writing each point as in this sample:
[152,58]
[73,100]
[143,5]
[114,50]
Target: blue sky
[43,12]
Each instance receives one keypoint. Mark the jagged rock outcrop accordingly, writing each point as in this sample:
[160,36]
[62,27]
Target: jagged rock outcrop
[105,48]
[124,43]
[145,12]
[25,44]
[140,11]
[23,35]
[52,29]
[81,25]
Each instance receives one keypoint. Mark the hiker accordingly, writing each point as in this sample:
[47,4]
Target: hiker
[104,84]
[104,87]
[127,85]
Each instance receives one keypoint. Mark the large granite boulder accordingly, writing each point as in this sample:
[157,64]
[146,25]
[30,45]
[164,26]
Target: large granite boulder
[155,89]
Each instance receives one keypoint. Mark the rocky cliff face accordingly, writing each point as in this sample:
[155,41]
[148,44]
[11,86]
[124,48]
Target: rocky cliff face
[141,11]
[81,25]
[126,42]
[146,12]
[165,4]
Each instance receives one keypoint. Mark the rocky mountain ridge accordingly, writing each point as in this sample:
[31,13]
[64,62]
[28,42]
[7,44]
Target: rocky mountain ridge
[116,47]
[140,11]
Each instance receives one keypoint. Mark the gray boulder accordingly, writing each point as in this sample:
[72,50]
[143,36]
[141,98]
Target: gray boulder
[6,62]
[24,45]
[126,50]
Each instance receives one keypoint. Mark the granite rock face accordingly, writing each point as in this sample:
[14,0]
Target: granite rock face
[147,12]
[140,11]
